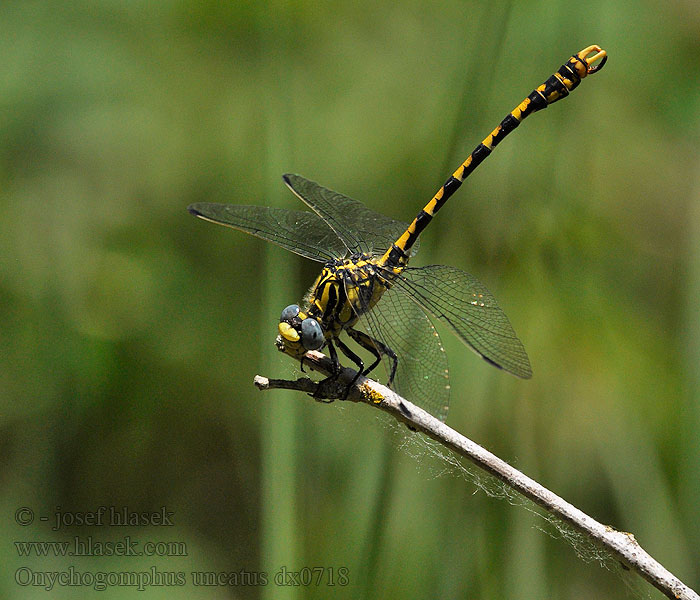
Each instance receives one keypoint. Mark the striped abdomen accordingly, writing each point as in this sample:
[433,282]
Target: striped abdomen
[555,88]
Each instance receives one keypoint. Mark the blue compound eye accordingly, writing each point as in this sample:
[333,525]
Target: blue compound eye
[311,334]
[289,313]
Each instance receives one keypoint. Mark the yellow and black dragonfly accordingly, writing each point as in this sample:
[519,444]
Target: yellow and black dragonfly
[366,288]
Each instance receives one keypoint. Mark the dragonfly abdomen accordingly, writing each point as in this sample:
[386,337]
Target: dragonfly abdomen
[554,88]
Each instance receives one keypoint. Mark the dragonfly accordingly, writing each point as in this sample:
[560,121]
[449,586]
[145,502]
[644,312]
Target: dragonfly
[366,289]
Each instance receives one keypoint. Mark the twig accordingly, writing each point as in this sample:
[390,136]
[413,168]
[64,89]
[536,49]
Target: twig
[620,544]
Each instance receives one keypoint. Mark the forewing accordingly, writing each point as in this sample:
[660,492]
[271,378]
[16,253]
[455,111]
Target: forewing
[465,304]
[361,229]
[301,232]
[422,374]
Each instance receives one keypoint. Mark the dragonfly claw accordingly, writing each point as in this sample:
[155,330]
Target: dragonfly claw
[599,54]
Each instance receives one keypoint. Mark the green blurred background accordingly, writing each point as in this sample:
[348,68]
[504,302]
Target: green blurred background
[131,331]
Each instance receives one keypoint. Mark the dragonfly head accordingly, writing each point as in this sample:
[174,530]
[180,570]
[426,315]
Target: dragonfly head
[299,332]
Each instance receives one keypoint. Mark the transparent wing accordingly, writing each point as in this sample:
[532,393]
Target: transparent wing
[301,232]
[422,375]
[361,229]
[465,304]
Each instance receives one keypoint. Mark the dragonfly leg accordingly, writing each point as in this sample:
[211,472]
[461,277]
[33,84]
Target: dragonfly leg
[354,358]
[336,371]
[378,349]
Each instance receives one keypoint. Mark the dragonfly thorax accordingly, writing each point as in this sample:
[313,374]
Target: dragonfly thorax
[345,289]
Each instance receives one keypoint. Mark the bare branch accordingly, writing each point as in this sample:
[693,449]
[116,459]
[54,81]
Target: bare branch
[621,545]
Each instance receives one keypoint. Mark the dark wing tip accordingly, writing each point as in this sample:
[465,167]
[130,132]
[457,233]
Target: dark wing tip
[193,209]
[288,179]
[520,370]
